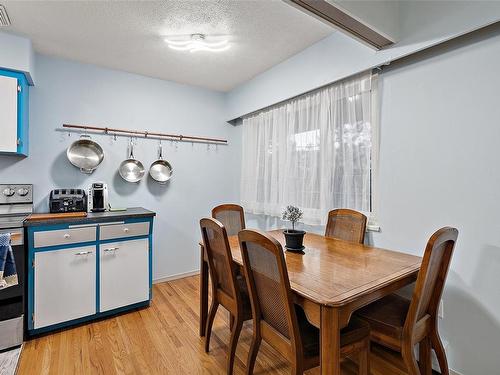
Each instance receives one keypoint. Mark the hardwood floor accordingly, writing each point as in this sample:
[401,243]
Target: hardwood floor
[163,339]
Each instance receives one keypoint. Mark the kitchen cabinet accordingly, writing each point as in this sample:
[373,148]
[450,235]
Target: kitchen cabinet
[14,116]
[65,285]
[87,268]
[123,273]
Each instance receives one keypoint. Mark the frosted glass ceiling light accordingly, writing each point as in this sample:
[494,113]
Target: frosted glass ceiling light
[198,42]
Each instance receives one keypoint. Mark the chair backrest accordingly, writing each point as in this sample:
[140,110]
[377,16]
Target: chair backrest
[347,225]
[220,260]
[231,216]
[269,286]
[431,277]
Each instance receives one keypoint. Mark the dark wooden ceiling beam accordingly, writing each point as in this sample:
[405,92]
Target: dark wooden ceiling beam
[330,14]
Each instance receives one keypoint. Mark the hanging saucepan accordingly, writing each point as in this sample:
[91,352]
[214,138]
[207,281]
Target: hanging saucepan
[85,154]
[161,170]
[131,169]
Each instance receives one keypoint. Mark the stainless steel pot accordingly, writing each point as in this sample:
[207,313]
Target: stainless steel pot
[85,154]
[161,170]
[131,169]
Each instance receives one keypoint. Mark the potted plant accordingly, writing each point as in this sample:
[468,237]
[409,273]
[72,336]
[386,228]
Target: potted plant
[293,238]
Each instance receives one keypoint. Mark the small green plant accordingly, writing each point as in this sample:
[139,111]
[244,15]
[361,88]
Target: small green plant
[293,214]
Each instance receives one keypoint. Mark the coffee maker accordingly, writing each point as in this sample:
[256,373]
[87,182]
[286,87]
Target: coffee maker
[97,197]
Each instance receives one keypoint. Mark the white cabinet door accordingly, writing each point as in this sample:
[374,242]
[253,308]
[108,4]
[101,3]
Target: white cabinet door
[8,114]
[65,285]
[124,273]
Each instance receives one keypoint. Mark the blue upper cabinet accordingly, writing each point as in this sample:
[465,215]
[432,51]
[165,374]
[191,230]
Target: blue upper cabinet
[14,113]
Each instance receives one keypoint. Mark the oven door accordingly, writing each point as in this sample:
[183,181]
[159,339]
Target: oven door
[16,291]
[12,299]
[11,333]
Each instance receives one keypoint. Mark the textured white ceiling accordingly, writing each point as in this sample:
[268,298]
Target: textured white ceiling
[129,35]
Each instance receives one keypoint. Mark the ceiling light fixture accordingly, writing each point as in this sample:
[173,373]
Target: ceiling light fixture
[4,17]
[198,42]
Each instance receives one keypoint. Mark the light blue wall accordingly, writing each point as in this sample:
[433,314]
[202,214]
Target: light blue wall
[423,24]
[16,53]
[313,67]
[439,165]
[328,60]
[69,92]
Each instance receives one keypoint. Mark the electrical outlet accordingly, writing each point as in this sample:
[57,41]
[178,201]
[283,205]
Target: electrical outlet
[441,310]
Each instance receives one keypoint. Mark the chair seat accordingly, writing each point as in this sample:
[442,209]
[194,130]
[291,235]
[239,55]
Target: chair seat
[355,331]
[245,297]
[309,334]
[386,316]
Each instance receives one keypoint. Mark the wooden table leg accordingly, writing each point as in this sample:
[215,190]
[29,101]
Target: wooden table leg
[203,292]
[330,341]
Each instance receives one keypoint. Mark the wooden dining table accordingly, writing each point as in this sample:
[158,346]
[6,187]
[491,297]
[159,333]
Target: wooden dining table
[331,279]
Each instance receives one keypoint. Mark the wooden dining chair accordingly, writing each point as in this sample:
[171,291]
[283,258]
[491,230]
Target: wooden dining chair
[347,225]
[228,288]
[400,324]
[278,320]
[231,216]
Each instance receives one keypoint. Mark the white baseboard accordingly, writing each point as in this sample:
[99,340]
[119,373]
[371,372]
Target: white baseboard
[175,277]
[453,372]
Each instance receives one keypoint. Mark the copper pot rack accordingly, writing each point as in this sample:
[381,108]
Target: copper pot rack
[145,134]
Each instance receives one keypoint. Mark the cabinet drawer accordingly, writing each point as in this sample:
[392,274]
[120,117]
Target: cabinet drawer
[109,232]
[64,236]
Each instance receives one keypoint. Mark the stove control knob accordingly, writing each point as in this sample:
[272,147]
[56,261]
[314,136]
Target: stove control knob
[8,192]
[23,192]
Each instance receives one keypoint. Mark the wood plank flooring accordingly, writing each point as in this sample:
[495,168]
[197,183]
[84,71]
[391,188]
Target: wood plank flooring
[163,339]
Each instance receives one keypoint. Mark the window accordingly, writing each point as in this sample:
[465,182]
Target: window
[313,151]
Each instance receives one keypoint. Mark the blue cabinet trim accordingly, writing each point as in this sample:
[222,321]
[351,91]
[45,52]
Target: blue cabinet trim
[22,112]
[66,246]
[89,318]
[97,243]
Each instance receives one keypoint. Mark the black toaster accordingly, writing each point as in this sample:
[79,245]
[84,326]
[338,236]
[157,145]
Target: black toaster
[67,200]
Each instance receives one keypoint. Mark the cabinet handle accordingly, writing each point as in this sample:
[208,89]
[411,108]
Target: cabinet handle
[84,253]
[67,235]
[111,249]
[126,230]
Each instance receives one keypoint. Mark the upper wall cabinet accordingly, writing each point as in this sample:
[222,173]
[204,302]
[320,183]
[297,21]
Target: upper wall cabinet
[14,114]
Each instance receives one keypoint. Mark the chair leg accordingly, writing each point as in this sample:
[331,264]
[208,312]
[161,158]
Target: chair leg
[364,359]
[425,361]
[440,353]
[252,354]
[210,321]
[297,369]
[231,321]
[235,334]
[409,360]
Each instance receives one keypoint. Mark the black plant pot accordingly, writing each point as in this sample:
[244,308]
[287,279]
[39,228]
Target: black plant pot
[294,239]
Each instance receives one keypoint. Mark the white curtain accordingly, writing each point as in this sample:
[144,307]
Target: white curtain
[312,151]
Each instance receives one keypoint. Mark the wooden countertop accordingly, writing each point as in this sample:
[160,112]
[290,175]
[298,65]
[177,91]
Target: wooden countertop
[92,217]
